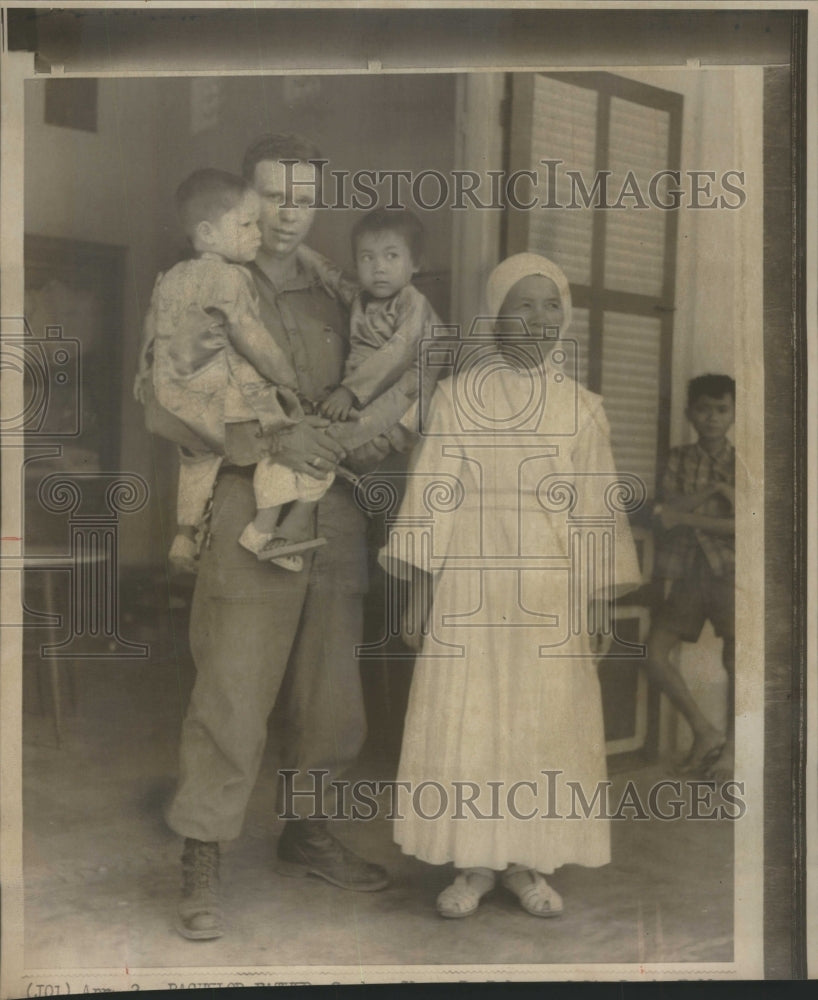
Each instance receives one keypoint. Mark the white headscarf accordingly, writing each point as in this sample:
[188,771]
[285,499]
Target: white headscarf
[521,265]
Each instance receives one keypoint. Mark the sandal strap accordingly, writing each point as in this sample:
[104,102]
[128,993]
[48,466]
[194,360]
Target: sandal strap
[535,893]
[461,896]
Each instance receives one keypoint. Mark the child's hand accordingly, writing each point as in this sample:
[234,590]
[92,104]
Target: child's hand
[140,392]
[669,517]
[338,404]
[728,492]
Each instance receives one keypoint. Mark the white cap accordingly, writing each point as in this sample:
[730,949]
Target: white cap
[521,265]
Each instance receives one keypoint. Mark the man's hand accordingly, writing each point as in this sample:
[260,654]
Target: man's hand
[306,447]
[369,456]
[338,404]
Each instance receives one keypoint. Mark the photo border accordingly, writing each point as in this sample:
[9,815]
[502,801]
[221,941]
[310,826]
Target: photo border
[788,346]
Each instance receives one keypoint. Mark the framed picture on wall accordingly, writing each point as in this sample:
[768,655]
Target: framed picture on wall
[74,293]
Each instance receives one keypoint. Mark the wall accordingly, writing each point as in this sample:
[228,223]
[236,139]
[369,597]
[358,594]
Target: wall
[717,254]
[704,322]
[359,122]
[102,187]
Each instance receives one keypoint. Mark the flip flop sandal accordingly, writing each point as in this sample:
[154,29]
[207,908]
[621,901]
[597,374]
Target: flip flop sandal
[347,474]
[292,563]
[460,899]
[536,897]
[722,774]
[701,765]
[278,547]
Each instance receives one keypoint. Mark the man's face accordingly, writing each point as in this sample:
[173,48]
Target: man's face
[287,195]
[712,418]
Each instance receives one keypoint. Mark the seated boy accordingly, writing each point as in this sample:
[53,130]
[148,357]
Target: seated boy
[697,553]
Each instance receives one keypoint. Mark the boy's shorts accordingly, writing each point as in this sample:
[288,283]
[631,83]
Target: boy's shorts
[695,598]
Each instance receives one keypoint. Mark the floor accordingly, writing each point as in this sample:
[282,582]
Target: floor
[101,868]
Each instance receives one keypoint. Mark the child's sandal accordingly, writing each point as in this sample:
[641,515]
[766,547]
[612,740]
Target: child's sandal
[462,897]
[536,896]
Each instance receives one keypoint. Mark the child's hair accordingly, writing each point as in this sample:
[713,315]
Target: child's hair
[392,220]
[714,386]
[206,195]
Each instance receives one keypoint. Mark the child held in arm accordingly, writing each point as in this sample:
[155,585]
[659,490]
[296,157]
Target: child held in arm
[696,551]
[389,318]
[207,360]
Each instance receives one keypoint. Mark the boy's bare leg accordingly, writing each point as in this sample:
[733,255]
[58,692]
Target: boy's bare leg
[298,524]
[266,519]
[707,739]
[724,768]
[266,536]
[261,530]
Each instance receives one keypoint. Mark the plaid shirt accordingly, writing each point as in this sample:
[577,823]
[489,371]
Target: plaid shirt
[689,470]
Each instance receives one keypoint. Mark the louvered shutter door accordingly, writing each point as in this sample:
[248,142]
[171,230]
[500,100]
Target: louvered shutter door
[635,237]
[568,112]
[620,262]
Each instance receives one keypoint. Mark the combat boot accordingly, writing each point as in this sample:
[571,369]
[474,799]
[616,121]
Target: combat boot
[200,913]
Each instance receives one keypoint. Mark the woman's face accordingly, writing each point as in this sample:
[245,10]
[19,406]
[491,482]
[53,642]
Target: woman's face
[536,300]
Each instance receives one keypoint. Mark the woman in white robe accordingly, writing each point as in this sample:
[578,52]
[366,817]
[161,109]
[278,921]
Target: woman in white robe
[513,539]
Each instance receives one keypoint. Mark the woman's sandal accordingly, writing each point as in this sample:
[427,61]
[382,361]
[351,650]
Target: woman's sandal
[536,896]
[462,897]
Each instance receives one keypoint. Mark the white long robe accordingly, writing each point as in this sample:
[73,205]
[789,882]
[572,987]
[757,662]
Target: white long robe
[506,687]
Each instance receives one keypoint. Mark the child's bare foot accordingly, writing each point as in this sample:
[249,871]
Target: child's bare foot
[293,563]
[298,524]
[281,551]
[277,548]
[182,555]
[703,754]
